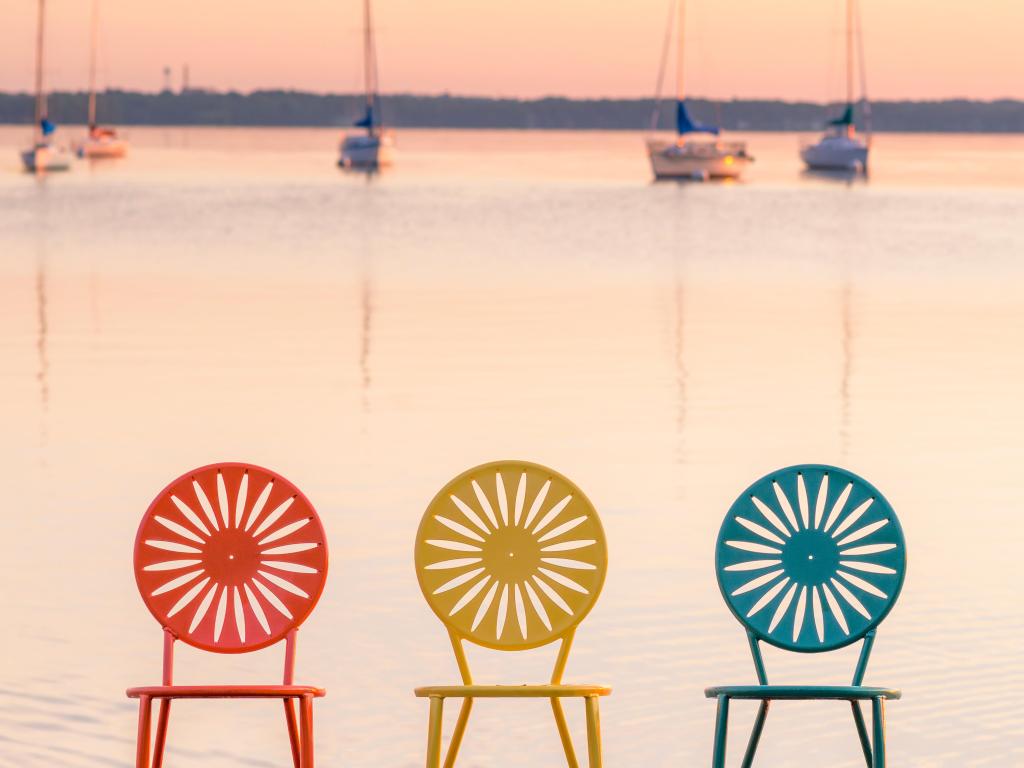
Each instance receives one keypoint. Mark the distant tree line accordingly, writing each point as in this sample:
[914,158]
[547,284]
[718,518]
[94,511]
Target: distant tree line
[296,108]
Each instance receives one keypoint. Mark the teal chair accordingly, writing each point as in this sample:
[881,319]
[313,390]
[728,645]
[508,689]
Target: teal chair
[809,559]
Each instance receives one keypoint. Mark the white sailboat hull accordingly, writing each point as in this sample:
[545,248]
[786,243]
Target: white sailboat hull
[697,159]
[361,150]
[836,153]
[45,158]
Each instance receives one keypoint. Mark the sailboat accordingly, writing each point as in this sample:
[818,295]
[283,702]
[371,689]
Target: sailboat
[840,149]
[373,146]
[44,155]
[101,142]
[685,157]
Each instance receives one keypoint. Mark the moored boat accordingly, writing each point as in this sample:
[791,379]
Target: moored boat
[373,146]
[372,149]
[686,157]
[45,155]
[101,141]
[840,148]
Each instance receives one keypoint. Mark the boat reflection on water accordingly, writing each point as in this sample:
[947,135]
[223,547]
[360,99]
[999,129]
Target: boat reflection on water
[844,176]
[370,171]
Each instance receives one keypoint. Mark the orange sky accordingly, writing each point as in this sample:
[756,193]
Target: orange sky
[584,48]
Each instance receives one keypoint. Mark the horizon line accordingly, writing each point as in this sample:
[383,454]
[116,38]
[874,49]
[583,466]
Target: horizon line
[524,99]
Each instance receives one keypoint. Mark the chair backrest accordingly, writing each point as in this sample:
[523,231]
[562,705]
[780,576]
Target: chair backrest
[510,555]
[230,558]
[810,558]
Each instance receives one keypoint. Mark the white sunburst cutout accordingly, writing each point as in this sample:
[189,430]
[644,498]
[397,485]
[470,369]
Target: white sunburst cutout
[213,557]
[799,567]
[511,559]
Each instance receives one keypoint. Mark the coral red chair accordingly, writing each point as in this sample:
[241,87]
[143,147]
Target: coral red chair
[230,558]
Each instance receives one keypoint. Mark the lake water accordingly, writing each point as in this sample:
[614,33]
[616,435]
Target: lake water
[231,295]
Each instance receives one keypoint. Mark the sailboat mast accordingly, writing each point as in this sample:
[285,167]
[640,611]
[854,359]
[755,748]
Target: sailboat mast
[849,52]
[865,103]
[368,53]
[92,64]
[680,30]
[40,96]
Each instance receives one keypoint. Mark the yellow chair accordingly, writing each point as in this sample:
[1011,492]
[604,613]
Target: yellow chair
[511,556]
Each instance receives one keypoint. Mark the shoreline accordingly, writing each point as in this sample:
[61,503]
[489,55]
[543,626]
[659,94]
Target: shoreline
[299,109]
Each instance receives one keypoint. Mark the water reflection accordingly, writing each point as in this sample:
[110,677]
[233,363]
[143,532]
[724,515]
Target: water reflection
[696,180]
[753,344]
[678,353]
[369,173]
[847,178]
[366,335]
[847,334]
[94,300]
[364,274]
[42,323]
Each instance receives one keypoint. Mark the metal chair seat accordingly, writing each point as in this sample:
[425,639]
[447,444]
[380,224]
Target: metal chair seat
[226,691]
[512,691]
[802,692]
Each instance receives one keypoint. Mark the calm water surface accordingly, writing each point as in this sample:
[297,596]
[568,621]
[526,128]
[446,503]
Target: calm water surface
[230,295]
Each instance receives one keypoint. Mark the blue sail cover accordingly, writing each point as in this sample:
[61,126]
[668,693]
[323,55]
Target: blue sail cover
[846,118]
[368,120]
[47,127]
[685,124]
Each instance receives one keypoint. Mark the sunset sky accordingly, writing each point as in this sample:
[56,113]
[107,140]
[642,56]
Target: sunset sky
[582,48]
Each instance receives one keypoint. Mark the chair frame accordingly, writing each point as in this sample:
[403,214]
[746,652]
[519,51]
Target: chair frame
[150,753]
[554,691]
[211,556]
[873,745]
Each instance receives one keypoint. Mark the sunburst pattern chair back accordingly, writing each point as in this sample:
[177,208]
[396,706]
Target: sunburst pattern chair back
[511,555]
[810,558]
[230,558]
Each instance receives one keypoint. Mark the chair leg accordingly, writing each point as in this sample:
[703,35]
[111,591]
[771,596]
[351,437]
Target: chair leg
[563,732]
[862,733]
[460,729]
[434,732]
[755,734]
[721,731]
[878,731]
[293,731]
[306,759]
[161,732]
[593,732]
[142,742]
